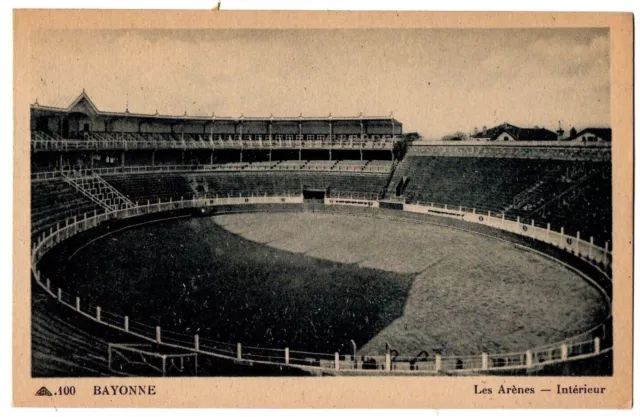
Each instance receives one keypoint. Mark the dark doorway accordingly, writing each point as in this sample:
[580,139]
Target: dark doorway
[311,195]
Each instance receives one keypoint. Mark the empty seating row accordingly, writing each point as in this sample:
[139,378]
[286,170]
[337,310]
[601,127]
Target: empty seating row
[141,188]
[483,183]
[53,201]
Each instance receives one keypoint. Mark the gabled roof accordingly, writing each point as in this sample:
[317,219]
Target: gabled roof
[536,134]
[493,132]
[601,132]
[518,133]
[81,102]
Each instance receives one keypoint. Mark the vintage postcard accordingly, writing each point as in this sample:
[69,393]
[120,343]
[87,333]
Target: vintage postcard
[323,209]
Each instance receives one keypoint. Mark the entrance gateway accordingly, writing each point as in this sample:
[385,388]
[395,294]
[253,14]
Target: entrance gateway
[314,195]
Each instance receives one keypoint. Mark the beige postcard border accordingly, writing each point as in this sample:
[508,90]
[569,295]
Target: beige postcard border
[343,392]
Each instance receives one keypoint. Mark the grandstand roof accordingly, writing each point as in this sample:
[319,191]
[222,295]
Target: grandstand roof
[84,104]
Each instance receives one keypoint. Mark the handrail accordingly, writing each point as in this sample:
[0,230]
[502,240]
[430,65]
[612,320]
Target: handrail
[539,356]
[229,167]
[99,141]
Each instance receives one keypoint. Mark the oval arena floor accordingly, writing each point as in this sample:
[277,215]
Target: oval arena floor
[313,281]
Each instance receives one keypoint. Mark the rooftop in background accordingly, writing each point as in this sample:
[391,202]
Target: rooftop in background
[593,134]
[509,132]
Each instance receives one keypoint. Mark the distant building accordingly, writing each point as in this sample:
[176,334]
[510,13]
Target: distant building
[594,134]
[509,132]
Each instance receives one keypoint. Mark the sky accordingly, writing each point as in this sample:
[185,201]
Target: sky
[435,81]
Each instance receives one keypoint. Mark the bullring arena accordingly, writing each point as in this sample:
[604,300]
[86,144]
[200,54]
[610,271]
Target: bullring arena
[186,246]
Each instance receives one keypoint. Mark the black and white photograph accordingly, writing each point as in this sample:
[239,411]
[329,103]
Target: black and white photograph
[220,203]
[419,202]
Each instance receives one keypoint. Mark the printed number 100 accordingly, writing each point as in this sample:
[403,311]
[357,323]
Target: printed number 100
[67,390]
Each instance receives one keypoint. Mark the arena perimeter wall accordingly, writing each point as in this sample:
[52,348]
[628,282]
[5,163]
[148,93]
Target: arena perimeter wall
[131,217]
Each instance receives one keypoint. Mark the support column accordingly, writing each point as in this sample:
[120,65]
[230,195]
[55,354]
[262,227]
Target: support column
[211,158]
[122,159]
[182,157]
[153,158]
[361,154]
[330,155]
[300,154]
[269,155]
[240,154]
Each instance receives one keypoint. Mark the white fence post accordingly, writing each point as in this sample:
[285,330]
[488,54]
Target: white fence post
[529,359]
[196,342]
[239,351]
[77,303]
[590,247]
[59,294]
[336,359]
[158,334]
[126,323]
[564,351]
[98,313]
[286,356]
[438,363]
[485,360]
[596,345]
